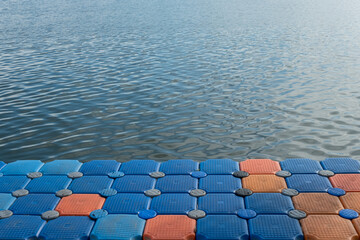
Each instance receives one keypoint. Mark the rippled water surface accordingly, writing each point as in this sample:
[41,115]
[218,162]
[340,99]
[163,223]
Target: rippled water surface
[118,79]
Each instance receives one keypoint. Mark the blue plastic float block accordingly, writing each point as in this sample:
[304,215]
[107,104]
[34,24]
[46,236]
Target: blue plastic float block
[99,167]
[34,204]
[67,227]
[134,183]
[222,227]
[6,199]
[308,183]
[2,164]
[22,167]
[126,203]
[173,204]
[90,184]
[48,184]
[8,184]
[60,167]
[179,166]
[21,227]
[118,227]
[219,166]
[219,183]
[176,184]
[139,167]
[341,165]
[300,165]
[280,227]
[224,203]
[269,203]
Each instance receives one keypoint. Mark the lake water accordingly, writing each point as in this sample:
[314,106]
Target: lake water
[154,79]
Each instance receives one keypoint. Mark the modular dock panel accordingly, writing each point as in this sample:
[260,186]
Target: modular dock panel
[180,199]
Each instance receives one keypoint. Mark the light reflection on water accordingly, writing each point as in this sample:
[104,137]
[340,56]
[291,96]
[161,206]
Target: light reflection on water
[179,79]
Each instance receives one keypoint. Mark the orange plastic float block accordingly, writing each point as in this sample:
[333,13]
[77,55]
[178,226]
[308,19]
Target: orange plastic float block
[356,223]
[264,183]
[164,227]
[260,166]
[351,200]
[328,227]
[317,203]
[79,204]
[348,182]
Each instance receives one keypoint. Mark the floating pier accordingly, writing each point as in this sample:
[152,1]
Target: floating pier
[180,199]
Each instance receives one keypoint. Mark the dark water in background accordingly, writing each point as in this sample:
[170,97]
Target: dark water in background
[118,79]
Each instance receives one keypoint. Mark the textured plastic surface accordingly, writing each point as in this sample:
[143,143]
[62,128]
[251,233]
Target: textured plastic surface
[179,167]
[198,174]
[50,215]
[147,214]
[260,166]
[6,199]
[341,165]
[289,192]
[243,192]
[134,183]
[219,166]
[127,203]
[297,214]
[20,193]
[165,227]
[108,192]
[329,227]
[264,183]
[21,227]
[74,175]
[48,184]
[118,227]
[22,167]
[9,184]
[348,214]
[79,204]
[176,184]
[246,213]
[90,184]
[222,227]
[139,167]
[317,203]
[275,227]
[67,227]
[99,167]
[34,175]
[308,183]
[356,223]
[209,193]
[336,192]
[34,204]
[116,174]
[63,193]
[5,214]
[347,182]
[223,203]
[175,203]
[301,165]
[269,203]
[196,214]
[98,213]
[220,183]
[60,167]
[152,192]
[351,200]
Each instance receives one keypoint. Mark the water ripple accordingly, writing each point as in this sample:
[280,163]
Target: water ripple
[179,79]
